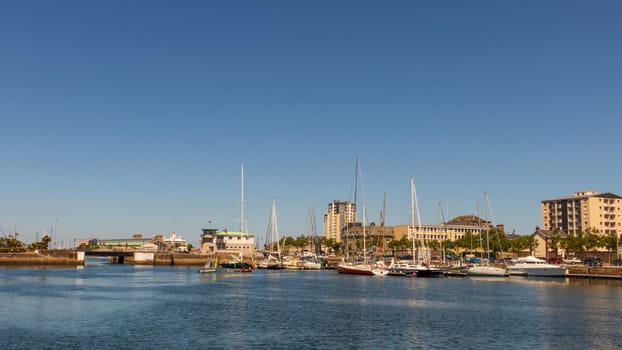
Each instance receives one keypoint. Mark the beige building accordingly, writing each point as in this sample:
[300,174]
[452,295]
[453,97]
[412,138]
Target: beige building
[339,214]
[601,212]
[437,232]
[219,241]
[544,248]
[376,237]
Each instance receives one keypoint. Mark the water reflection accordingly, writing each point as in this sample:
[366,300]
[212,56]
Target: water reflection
[594,282]
[117,305]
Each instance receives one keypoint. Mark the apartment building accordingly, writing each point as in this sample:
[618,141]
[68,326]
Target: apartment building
[339,214]
[601,212]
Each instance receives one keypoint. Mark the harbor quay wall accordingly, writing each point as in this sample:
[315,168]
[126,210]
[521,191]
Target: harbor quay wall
[184,259]
[166,259]
[44,257]
[595,271]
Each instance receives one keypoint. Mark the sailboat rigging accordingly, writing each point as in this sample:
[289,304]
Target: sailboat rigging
[419,266]
[272,259]
[365,267]
[485,268]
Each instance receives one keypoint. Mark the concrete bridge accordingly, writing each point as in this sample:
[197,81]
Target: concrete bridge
[117,255]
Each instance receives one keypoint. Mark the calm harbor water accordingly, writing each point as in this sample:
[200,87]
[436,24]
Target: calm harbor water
[103,306]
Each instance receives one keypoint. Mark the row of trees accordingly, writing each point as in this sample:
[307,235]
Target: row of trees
[288,243]
[496,241]
[11,243]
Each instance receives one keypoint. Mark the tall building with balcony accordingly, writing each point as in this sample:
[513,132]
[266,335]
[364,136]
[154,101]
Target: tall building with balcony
[601,212]
[339,214]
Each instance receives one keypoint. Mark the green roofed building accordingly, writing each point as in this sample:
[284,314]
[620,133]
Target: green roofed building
[219,241]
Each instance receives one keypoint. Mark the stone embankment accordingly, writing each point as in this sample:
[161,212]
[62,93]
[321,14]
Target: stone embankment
[177,259]
[611,272]
[44,257]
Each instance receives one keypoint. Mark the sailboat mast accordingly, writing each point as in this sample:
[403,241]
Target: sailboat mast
[382,217]
[242,201]
[364,247]
[479,224]
[356,178]
[446,235]
[487,231]
[414,193]
[412,213]
[276,230]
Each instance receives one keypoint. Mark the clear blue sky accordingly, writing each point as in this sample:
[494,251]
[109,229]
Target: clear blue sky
[123,117]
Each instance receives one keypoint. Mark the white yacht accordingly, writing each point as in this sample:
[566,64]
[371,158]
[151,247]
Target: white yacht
[532,266]
[486,270]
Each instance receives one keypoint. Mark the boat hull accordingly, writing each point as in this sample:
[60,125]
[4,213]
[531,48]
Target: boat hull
[554,271]
[489,271]
[234,265]
[355,270]
[415,270]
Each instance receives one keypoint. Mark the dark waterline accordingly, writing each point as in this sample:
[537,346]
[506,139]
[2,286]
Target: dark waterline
[142,307]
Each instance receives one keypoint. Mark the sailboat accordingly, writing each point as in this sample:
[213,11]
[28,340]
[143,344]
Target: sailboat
[364,267]
[272,260]
[485,269]
[310,261]
[207,268]
[417,268]
[237,262]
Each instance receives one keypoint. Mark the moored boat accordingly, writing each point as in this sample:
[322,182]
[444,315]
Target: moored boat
[532,266]
[486,270]
[415,270]
[207,268]
[355,269]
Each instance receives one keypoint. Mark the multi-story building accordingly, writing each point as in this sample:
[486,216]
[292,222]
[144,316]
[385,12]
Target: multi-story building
[339,214]
[600,212]
[449,231]
[219,241]
[376,237]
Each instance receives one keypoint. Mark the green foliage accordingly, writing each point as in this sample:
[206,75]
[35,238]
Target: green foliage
[591,241]
[11,242]
[574,244]
[532,245]
[519,244]
[469,241]
[554,241]
[610,242]
[402,244]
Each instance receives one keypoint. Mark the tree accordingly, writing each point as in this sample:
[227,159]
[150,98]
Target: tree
[610,242]
[591,240]
[41,245]
[11,242]
[554,241]
[329,243]
[532,244]
[468,242]
[574,244]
